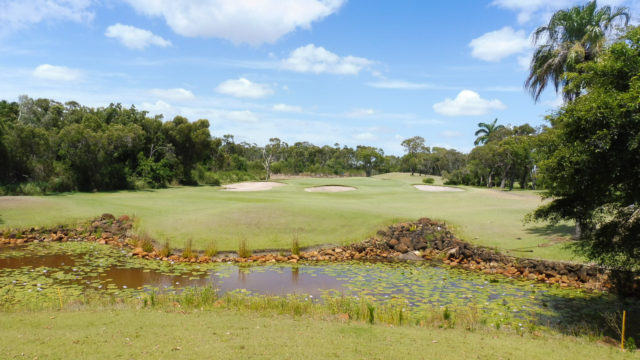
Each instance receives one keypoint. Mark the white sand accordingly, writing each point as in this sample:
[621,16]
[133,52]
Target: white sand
[252,186]
[330,188]
[433,188]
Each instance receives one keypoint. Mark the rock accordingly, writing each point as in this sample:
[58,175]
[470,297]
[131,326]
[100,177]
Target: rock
[401,248]
[420,245]
[124,218]
[393,242]
[107,217]
[410,256]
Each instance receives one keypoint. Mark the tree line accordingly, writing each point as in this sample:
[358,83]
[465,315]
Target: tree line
[48,146]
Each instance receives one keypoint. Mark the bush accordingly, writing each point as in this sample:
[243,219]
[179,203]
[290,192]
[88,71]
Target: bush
[32,188]
[457,177]
[428,180]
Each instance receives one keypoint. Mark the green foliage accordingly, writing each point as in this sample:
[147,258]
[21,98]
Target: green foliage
[593,169]
[572,37]
[428,180]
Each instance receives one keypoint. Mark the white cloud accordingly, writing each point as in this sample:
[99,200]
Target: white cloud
[398,84]
[213,115]
[360,112]
[159,107]
[135,38]
[316,59]
[240,21]
[541,10]
[58,73]
[467,103]
[243,88]
[177,94]
[24,13]
[365,136]
[286,108]
[528,8]
[555,103]
[524,61]
[497,45]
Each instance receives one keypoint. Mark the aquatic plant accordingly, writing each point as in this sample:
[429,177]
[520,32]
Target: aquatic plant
[144,242]
[295,244]
[188,252]
[211,250]
[243,249]
[165,251]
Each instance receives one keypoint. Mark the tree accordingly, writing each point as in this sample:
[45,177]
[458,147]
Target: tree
[413,146]
[269,152]
[191,141]
[369,157]
[572,37]
[483,135]
[593,167]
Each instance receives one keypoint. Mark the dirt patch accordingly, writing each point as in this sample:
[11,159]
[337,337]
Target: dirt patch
[252,186]
[433,188]
[330,188]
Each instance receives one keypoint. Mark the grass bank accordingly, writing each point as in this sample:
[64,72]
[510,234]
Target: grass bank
[143,334]
[270,219]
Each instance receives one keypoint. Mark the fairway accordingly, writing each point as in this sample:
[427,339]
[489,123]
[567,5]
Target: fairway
[269,219]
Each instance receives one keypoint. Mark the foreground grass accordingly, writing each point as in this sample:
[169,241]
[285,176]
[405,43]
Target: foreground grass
[147,334]
[270,219]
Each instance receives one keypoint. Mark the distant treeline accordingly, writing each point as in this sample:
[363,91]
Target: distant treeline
[48,146]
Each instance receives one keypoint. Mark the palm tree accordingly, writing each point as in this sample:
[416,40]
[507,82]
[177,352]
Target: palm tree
[573,36]
[486,130]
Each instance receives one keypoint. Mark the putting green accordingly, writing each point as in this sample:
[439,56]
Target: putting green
[269,219]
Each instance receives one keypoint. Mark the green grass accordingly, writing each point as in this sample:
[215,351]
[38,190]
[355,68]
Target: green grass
[267,219]
[224,334]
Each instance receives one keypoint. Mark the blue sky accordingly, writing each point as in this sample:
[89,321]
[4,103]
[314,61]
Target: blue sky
[368,72]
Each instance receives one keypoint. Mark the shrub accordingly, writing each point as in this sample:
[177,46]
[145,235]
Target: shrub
[428,180]
[32,188]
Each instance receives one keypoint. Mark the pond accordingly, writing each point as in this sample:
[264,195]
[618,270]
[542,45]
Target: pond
[34,271]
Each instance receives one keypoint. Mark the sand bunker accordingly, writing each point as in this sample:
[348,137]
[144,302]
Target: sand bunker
[330,188]
[433,188]
[252,186]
